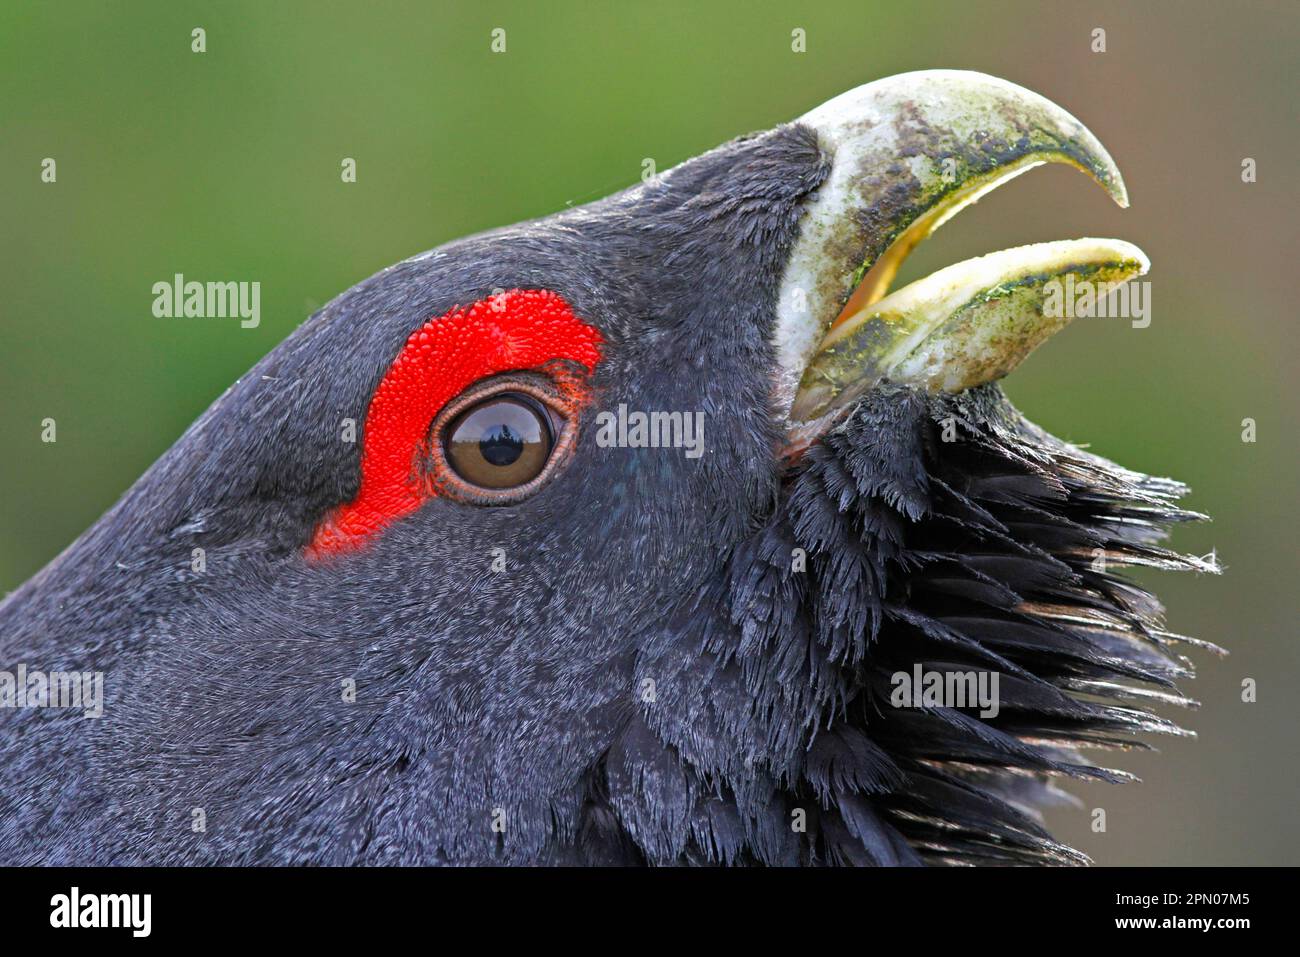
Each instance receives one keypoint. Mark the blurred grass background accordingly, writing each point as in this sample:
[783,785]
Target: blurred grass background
[225,165]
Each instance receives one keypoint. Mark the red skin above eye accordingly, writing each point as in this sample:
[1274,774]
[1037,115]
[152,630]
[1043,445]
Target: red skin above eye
[516,330]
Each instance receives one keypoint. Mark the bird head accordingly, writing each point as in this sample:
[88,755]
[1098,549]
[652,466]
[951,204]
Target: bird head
[605,538]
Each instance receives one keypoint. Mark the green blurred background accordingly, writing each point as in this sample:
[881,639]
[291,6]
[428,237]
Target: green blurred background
[225,165]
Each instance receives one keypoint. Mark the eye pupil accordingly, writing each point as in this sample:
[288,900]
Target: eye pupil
[502,442]
[500,446]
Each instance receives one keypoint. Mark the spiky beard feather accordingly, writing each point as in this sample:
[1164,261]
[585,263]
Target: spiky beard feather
[993,551]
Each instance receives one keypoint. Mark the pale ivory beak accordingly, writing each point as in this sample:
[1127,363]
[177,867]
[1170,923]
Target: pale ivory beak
[907,153]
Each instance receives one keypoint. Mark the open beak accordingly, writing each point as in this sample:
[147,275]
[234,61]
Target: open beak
[907,153]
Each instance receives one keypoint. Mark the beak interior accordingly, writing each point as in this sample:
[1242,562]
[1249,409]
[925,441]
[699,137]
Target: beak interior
[877,279]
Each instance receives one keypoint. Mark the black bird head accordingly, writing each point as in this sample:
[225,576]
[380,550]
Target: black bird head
[607,538]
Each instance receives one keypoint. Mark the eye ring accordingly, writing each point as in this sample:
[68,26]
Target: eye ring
[531,391]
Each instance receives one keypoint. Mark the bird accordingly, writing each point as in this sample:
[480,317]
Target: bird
[639,534]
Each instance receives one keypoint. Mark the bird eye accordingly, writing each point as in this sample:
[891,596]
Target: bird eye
[505,437]
[500,443]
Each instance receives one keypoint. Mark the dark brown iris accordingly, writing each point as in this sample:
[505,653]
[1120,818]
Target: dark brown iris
[501,442]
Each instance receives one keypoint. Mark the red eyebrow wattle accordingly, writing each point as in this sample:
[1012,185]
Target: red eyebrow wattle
[515,330]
